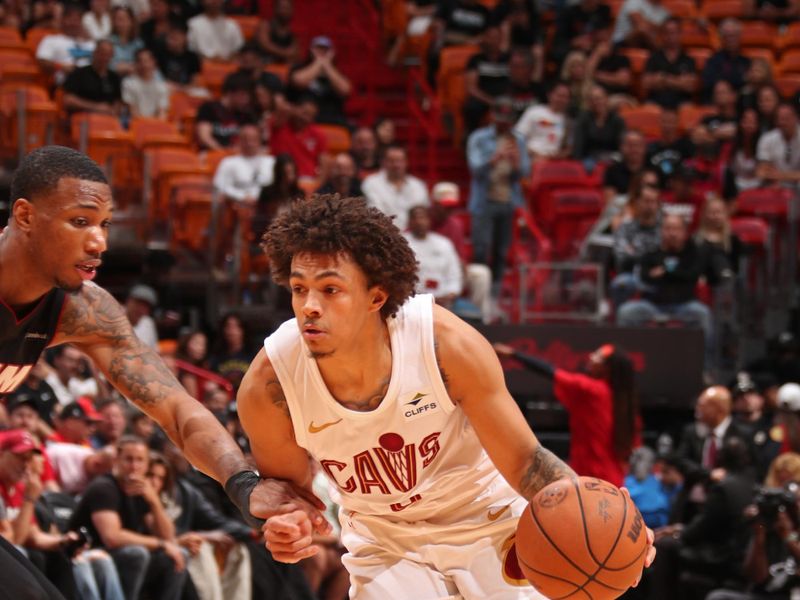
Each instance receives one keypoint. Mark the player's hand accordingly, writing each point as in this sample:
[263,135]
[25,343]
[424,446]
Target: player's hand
[289,537]
[503,350]
[273,497]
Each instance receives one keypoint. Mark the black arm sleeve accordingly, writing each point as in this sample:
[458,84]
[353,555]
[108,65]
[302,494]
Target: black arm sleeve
[536,364]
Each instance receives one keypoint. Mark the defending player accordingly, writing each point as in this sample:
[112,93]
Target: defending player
[49,254]
[403,404]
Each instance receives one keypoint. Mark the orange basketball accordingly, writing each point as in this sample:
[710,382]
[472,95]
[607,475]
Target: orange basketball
[581,539]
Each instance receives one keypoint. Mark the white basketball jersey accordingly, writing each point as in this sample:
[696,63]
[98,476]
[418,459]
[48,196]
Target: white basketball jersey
[413,457]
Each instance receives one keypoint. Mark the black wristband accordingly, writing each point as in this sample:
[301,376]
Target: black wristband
[239,487]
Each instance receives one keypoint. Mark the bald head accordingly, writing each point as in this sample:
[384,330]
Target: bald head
[713,406]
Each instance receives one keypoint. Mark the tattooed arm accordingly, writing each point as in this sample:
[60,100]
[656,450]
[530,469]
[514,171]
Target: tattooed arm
[94,322]
[474,379]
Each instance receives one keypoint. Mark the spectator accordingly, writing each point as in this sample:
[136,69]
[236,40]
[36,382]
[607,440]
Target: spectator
[116,509]
[612,69]
[140,8]
[749,410]
[35,386]
[667,153]
[125,39]
[578,26]
[64,378]
[203,532]
[419,14]
[620,174]
[45,14]
[720,127]
[321,78]
[648,492]
[393,190]
[275,38]
[342,178]
[741,171]
[139,306]
[193,349]
[18,492]
[603,409]
[633,239]
[781,12]
[670,75]
[218,121]
[300,138]
[638,22]
[60,53]
[670,275]
[444,221]
[712,543]
[144,91]
[153,31]
[487,77]
[241,176]
[767,101]
[728,62]
[97,20]
[385,134]
[74,423]
[455,23]
[276,197]
[598,130]
[364,149]
[498,162]
[759,74]
[521,28]
[778,151]
[575,73]
[23,414]
[179,65]
[95,87]
[544,126]
[213,35]
[523,89]
[715,239]
[252,64]
[231,354]
[439,267]
[111,426]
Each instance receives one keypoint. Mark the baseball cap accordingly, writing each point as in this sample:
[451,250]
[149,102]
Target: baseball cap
[144,293]
[18,441]
[445,193]
[322,40]
[21,400]
[82,408]
[789,397]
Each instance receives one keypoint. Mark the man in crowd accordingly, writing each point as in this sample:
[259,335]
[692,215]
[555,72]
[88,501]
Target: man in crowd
[60,53]
[486,78]
[778,151]
[670,76]
[145,92]
[218,121]
[241,176]
[393,190]
[498,162]
[320,77]
[64,377]
[96,87]
[124,515]
[620,174]
[342,178]
[728,62]
[300,138]
[214,35]
[179,65]
[139,306]
[364,149]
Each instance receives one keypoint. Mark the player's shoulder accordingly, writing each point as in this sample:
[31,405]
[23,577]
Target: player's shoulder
[453,337]
[88,311]
[260,387]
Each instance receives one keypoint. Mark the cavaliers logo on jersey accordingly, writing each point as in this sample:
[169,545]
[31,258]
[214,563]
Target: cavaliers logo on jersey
[11,376]
[390,467]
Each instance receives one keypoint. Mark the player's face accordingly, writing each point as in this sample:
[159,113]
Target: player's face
[331,301]
[68,231]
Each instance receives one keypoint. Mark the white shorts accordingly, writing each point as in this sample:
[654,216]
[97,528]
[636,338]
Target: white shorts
[464,555]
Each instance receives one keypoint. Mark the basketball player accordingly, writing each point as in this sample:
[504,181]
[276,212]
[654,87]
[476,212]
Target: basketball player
[404,406]
[49,254]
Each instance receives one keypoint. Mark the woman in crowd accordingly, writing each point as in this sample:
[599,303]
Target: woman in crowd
[767,100]
[275,38]
[598,130]
[740,172]
[125,38]
[231,355]
[714,238]
[192,349]
[574,72]
[603,409]
[277,196]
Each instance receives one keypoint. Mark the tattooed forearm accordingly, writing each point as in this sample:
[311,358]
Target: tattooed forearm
[545,467]
[141,375]
[93,314]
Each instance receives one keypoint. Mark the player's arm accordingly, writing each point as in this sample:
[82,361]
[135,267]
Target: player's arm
[474,379]
[264,414]
[94,322]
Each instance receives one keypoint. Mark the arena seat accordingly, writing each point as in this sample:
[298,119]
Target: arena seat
[790,37]
[548,175]
[717,10]
[690,115]
[756,266]
[451,86]
[761,53]
[767,203]
[788,84]
[247,24]
[163,168]
[698,35]
[17,65]
[183,111]
[149,132]
[790,62]
[758,34]
[214,73]
[337,138]
[638,58]
[280,70]
[700,56]
[646,118]
[575,211]
[682,9]
[35,35]
[108,144]
[11,39]
[41,117]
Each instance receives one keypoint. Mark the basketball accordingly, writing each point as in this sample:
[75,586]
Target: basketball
[581,539]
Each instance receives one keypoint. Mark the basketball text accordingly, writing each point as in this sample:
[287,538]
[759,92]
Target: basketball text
[636,527]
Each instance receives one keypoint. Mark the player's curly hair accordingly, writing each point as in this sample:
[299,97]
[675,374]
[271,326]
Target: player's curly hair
[329,224]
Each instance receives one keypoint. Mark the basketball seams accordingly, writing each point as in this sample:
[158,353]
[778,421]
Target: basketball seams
[629,565]
[576,485]
[619,533]
[553,544]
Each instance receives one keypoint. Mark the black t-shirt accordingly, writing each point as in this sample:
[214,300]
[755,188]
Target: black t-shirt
[659,63]
[330,104]
[105,493]
[279,38]
[492,73]
[24,336]
[575,20]
[465,18]
[147,33]
[611,64]
[224,121]
[524,96]
[618,176]
[88,84]
[178,68]
[525,26]
[668,157]
[593,140]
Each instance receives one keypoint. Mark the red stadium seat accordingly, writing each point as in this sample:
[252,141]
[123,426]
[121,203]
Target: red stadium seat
[575,211]
[548,175]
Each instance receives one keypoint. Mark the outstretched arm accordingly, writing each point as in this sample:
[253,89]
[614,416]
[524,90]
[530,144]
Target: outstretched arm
[94,322]
[474,379]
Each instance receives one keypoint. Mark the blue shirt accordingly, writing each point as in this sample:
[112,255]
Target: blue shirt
[481,146]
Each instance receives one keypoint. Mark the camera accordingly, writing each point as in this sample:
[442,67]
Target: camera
[72,546]
[771,501]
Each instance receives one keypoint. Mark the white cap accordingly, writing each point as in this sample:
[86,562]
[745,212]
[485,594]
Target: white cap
[789,397]
[445,193]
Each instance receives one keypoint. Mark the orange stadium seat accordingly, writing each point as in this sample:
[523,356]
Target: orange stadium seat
[10,38]
[700,56]
[337,138]
[18,65]
[35,35]
[698,35]
[214,73]
[788,84]
[190,212]
[549,175]
[762,53]
[575,211]
[689,115]
[682,9]
[247,24]
[646,118]
[108,144]
[791,36]
[790,62]
[165,168]
[211,158]
[716,10]
[40,113]
[758,34]
[451,84]
[280,70]
[183,111]
[149,132]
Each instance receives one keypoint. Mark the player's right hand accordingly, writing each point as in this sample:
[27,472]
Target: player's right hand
[271,497]
[289,536]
